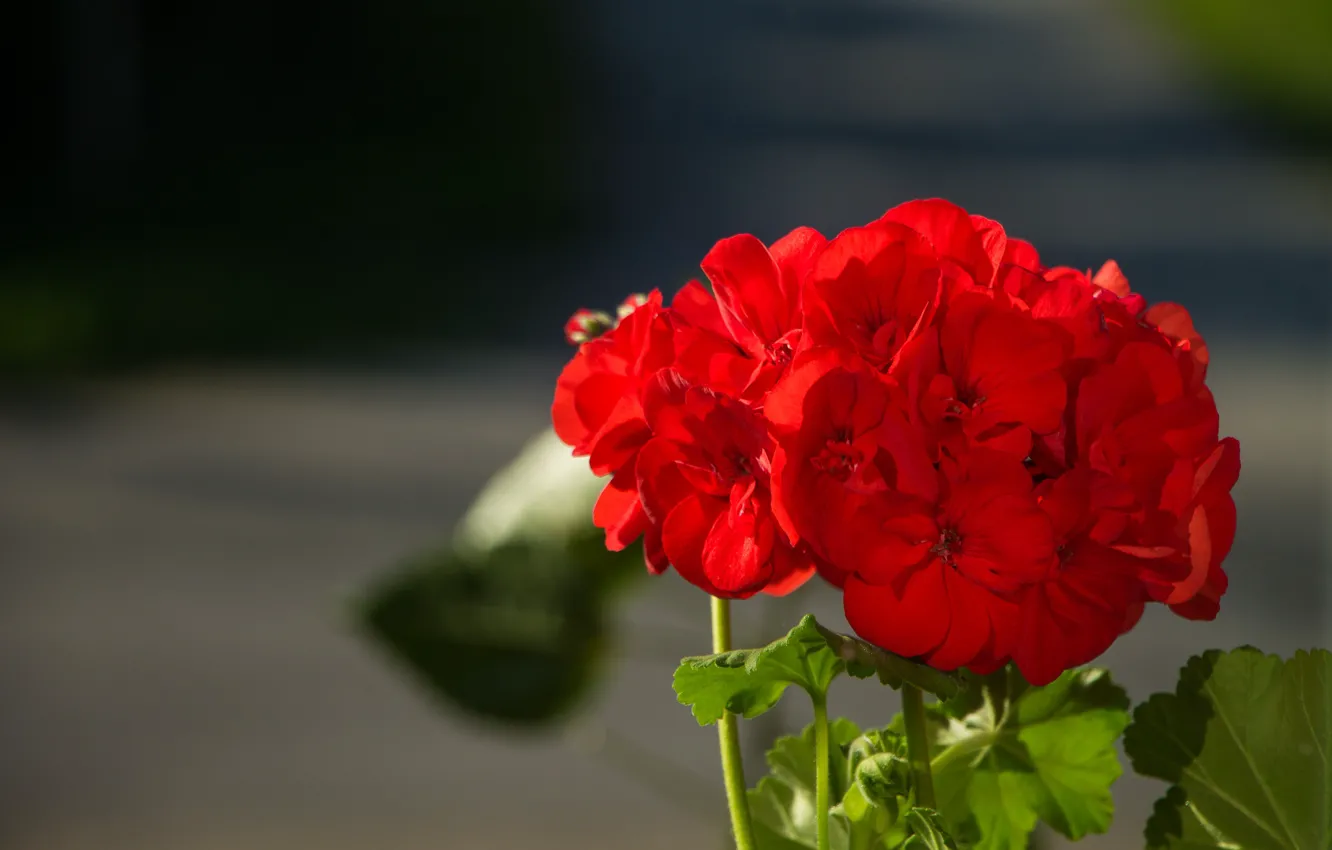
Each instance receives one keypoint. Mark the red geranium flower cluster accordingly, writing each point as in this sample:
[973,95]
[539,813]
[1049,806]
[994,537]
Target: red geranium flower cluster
[993,459]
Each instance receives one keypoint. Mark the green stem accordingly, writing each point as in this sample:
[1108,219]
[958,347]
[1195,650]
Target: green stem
[962,749]
[918,744]
[728,731]
[822,780]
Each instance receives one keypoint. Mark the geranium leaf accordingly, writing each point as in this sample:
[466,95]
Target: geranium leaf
[1008,754]
[1246,738]
[1174,823]
[748,682]
[782,804]
[506,622]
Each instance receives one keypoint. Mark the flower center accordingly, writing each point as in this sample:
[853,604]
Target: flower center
[964,400]
[739,464]
[779,353]
[949,540]
[970,397]
[839,457]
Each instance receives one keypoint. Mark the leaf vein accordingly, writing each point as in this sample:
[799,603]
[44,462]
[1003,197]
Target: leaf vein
[1248,759]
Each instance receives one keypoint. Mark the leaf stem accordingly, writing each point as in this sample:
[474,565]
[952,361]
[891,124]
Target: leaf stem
[822,760]
[728,731]
[962,749]
[918,744]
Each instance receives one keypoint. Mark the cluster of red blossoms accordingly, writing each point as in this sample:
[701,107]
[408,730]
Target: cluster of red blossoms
[994,459]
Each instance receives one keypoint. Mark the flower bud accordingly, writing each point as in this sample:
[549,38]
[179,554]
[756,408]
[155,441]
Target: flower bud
[586,325]
[630,304]
[883,778]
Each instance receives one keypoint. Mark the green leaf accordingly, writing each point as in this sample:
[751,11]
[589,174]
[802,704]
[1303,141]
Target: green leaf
[748,682]
[1174,823]
[1008,754]
[507,622]
[782,804]
[927,832]
[1246,738]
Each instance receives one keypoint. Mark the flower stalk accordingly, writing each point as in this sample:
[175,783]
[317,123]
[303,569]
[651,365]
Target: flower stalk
[918,744]
[728,733]
[822,757]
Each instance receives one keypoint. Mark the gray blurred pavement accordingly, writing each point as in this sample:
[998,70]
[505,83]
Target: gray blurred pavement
[174,669]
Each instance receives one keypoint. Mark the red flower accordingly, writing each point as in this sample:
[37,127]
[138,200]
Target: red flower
[948,599]
[758,292]
[1135,418]
[597,410]
[1063,297]
[845,455]
[597,394]
[871,290]
[1090,593]
[1001,377]
[704,477]
[994,459]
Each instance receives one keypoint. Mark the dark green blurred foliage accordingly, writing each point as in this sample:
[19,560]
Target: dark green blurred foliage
[1274,58]
[509,621]
[206,180]
[517,635]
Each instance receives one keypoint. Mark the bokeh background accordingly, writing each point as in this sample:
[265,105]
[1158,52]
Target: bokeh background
[281,284]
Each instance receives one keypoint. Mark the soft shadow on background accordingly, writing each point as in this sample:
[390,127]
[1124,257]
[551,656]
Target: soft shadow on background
[282,284]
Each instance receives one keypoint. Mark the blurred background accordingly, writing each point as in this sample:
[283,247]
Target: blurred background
[281,285]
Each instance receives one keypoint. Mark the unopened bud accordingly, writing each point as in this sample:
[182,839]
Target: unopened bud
[883,777]
[630,304]
[586,325]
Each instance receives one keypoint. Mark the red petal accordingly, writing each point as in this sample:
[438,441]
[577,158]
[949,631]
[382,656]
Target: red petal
[683,533]
[696,306]
[569,425]
[619,511]
[993,238]
[1200,559]
[620,438]
[908,621]
[969,622]
[654,554]
[1039,652]
[737,552]
[660,484]
[749,289]
[794,254]
[791,569]
[1112,279]
[948,227]
[781,487]
[1020,252]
